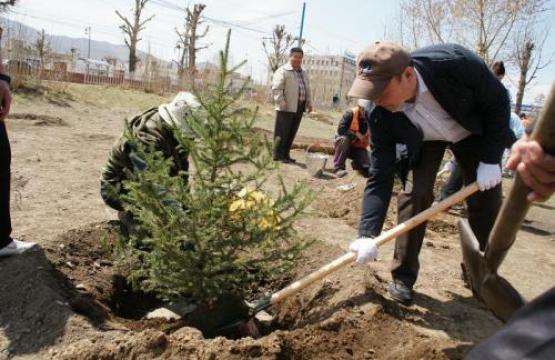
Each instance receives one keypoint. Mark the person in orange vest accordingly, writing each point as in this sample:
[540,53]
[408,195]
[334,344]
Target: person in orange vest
[353,139]
[524,120]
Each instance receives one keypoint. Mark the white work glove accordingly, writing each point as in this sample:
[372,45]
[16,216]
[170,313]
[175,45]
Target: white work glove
[365,248]
[488,175]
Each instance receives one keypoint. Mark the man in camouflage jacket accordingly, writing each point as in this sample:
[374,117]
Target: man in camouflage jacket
[155,127]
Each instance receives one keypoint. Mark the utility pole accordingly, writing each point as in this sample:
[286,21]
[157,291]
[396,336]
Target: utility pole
[302,25]
[88,32]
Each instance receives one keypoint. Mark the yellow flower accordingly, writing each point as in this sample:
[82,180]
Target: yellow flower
[255,200]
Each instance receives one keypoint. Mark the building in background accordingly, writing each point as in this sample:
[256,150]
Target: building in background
[331,77]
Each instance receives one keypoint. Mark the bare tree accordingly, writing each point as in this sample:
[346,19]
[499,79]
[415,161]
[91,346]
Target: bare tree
[42,48]
[183,47]
[529,56]
[488,24]
[428,19]
[484,25]
[4,4]
[193,22]
[277,46]
[132,28]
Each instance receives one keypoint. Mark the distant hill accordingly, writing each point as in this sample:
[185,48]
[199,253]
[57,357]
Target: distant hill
[63,44]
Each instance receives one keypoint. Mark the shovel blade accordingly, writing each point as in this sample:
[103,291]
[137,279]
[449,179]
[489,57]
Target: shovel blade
[487,286]
[500,296]
[473,258]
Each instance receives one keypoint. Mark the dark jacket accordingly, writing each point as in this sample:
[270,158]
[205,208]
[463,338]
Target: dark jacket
[467,90]
[344,127]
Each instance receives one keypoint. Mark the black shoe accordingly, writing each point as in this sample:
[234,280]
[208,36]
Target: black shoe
[400,292]
[291,160]
[286,161]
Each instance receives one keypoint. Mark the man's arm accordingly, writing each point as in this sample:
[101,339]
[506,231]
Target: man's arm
[344,127]
[278,86]
[5,93]
[494,107]
[377,193]
[308,90]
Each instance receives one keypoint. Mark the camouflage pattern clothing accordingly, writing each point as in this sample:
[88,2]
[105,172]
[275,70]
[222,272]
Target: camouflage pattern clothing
[149,129]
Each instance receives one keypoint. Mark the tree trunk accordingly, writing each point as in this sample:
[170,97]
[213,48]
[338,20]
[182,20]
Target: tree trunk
[132,57]
[524,66]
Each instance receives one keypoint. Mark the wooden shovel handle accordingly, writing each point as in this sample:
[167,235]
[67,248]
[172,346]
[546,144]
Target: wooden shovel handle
[380,240]
[516,205]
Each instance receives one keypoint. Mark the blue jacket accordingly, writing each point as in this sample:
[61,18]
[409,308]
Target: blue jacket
[466,88]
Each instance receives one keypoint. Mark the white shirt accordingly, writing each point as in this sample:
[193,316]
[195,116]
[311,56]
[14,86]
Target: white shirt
[428,115]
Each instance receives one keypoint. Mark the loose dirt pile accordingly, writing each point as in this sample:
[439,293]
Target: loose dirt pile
[345,317]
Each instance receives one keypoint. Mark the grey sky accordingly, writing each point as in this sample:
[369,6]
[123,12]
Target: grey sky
[331,26]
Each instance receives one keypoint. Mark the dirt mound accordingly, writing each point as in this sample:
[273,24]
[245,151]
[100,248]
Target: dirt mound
[348,335]
[73,304]
[39,119]
[305,142]
[34,301]
[344,317]
[321,117]
[347,316]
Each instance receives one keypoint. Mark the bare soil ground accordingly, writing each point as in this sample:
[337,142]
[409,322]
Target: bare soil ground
[64,300]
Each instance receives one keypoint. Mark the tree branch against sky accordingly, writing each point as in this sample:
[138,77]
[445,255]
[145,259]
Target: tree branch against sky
[346,30]
[276,47]
[530,56]
[131,29]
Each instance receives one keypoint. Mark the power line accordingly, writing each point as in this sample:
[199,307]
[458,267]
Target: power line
[226,23]
[76,24]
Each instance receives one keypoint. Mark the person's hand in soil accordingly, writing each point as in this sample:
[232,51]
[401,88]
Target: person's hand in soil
[365,248]
[536,168]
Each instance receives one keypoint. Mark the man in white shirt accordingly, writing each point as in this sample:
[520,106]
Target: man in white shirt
[439,96]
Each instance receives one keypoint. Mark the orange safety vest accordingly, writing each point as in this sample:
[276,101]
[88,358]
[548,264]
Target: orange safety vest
[355,127]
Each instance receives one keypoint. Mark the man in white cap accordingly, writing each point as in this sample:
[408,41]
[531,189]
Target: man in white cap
[438,96]
[154,127]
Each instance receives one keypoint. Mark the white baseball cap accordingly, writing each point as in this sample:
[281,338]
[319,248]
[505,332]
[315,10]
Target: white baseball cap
[175,113]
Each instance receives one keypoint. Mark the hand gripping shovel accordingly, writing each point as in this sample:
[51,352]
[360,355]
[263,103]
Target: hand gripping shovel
[481,268]
[348,258]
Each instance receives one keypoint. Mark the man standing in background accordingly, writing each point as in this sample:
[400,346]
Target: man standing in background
[292,96]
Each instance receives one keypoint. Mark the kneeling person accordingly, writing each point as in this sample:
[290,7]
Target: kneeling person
[352,139]
[154,127]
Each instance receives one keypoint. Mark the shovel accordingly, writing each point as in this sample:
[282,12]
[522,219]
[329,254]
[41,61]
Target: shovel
[481,268]
[348,258]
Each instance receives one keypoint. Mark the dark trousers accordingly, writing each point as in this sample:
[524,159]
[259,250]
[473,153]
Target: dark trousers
[343,150]
[418,196]
[5,161]
[285,130]
[454,183]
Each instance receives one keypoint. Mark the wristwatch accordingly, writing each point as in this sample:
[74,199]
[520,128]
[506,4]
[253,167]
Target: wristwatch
[6,78]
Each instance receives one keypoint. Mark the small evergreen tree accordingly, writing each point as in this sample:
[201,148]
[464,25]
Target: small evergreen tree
[218,233]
